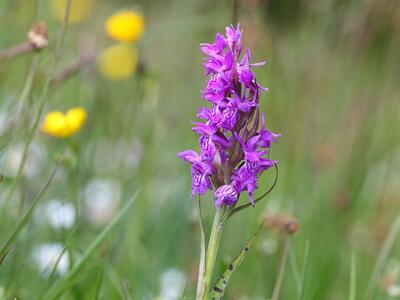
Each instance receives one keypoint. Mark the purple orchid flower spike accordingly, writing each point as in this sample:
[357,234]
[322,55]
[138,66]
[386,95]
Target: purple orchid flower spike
[234,140]
[233,149]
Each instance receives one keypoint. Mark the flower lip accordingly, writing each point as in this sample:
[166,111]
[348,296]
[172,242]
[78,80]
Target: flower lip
[225,195]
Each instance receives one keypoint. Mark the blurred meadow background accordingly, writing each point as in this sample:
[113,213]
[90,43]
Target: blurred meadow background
[334,78]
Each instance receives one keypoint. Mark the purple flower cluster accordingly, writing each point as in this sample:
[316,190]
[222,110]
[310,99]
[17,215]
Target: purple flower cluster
[234,150]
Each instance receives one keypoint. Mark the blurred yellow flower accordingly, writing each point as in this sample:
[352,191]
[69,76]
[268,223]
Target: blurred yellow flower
[62,125]
[125,26]
[79,9]
[118,61]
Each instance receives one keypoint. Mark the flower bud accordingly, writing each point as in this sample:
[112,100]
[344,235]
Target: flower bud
[37,36]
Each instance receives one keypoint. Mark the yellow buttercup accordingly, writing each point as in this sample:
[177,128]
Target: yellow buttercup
[118,61]
[125,26]
[63,125]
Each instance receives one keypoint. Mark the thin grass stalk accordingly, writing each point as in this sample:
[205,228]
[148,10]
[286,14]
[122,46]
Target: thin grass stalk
[295,269]
[27,87]
[353,278]
[282,268]
[382,258]
[84,60]
[235,12]
[305,270]
[202,265]
[22,223]
[99,282]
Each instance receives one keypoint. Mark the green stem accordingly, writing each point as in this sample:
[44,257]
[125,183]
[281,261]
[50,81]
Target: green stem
[212,250]
[282,267]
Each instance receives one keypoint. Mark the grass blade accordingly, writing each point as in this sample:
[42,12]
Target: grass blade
[26,217]
[353,278]
[222,283]
[295,269]
[202,265]
[99,282]
[66,281]
[305,270]
[282,268]
[382,258]
[2,258]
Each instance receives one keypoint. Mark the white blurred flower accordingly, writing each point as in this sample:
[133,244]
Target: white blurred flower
[11,161]
[101,200]
[133,150]
[172,282]
[2,293]
[46,257]
[393,291]
[268,246]
[59,214]
[3,125]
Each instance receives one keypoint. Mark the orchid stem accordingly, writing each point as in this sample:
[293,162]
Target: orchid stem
[212,250]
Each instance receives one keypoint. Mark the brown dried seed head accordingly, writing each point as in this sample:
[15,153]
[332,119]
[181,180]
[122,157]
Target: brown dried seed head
[37,36]
[281,223]
[291,226]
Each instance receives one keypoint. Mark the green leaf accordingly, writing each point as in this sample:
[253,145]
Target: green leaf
[222,283]
[305,270]
[353,278]
[26,217]
[99,282]
[2,258]
[64,283]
